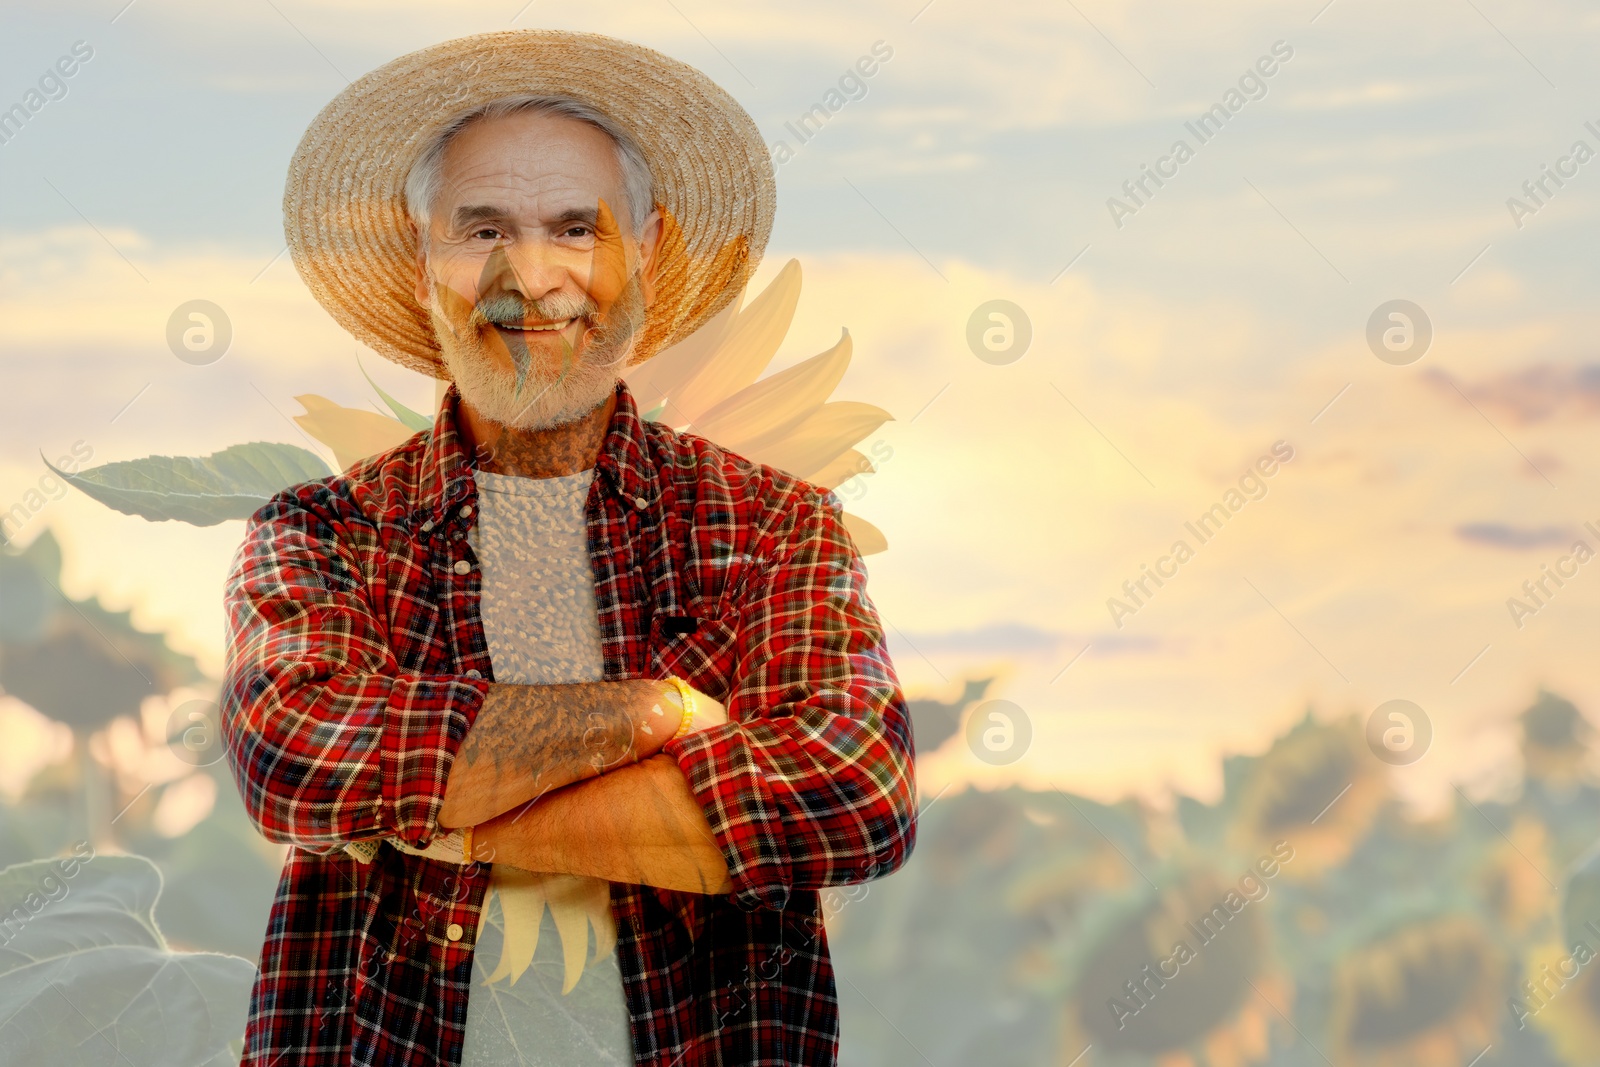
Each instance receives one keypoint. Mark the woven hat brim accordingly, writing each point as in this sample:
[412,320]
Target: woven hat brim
[344,204]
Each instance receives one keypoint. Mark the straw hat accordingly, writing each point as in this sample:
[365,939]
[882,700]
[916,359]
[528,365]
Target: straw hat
[344,205]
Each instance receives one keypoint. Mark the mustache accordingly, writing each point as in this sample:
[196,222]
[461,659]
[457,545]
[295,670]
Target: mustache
[504,308]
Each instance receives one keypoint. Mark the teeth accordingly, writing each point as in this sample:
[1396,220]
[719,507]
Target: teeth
[538,329]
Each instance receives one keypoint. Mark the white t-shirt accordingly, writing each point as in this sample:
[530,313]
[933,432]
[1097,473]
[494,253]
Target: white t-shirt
[543,628]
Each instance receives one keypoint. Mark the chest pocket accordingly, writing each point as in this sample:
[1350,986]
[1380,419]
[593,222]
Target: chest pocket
[705,656]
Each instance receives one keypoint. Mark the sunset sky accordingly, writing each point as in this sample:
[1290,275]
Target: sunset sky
[1175,338]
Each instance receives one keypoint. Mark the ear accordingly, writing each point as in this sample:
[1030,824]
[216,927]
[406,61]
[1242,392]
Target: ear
[420,266]
[650,242]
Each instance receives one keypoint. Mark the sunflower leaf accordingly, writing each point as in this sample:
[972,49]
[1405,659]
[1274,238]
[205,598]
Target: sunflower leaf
[86,976]
[201,491]
[414,420]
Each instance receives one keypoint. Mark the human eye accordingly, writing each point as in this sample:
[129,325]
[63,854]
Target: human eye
[488,233]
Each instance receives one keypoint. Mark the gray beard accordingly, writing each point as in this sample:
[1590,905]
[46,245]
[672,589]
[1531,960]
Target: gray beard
[527,396]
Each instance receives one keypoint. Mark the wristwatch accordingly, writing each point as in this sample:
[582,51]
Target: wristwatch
[687,695]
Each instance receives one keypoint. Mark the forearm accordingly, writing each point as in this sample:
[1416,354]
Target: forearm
[640,824]
[530,740]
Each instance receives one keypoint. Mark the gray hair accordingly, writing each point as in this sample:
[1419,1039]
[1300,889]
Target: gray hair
[427,173]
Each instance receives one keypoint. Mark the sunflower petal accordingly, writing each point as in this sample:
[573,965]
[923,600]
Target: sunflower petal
[841,469]
[572,903]
[522,899]
[661,374]
[757,332]
[600,917]
[821,436]
[353,434]
[761,413]
[868,538]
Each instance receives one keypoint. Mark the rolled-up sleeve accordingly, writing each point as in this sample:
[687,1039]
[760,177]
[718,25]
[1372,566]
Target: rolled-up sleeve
[328,739]
[810,783]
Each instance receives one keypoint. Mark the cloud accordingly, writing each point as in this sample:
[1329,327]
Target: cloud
[1021,641]
[1505,535]
[1531,395]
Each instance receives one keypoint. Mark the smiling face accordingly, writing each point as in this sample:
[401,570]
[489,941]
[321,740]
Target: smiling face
[535,286]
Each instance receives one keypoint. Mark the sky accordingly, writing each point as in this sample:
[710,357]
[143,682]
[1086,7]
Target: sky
[1180,334]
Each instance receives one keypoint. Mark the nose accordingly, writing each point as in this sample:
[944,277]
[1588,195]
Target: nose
[527,268]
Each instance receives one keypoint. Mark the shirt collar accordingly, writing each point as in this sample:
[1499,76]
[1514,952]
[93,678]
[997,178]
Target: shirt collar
[623,465]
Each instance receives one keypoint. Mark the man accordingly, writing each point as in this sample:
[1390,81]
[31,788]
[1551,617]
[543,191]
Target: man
[547,645]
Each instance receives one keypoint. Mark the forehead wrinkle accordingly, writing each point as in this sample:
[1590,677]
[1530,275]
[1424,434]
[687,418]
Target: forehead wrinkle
[469,213]
[528,165]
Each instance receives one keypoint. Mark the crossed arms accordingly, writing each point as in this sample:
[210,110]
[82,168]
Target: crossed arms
[513,779]
[808,784]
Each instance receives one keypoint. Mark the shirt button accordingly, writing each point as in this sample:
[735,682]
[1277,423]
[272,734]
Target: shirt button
[466,511]
[427,526]
[462,566]
[640,502]
[474,673]
[454,932]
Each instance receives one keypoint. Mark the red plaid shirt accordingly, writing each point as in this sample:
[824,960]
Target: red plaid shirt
[357,662]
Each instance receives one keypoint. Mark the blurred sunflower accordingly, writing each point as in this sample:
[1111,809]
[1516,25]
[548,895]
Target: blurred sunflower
[1424,995]
[1318,788]
[984,830]
[706,385]
[1565,1010]
[1512,878]
[1063,880]
[1555,740]
[1170,980]
[81,664]
[1051,894]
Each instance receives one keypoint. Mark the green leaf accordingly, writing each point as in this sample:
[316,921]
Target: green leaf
[202,491]
[414,420]
[44,552]
[24,601]
[87,979]
[1580,910]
